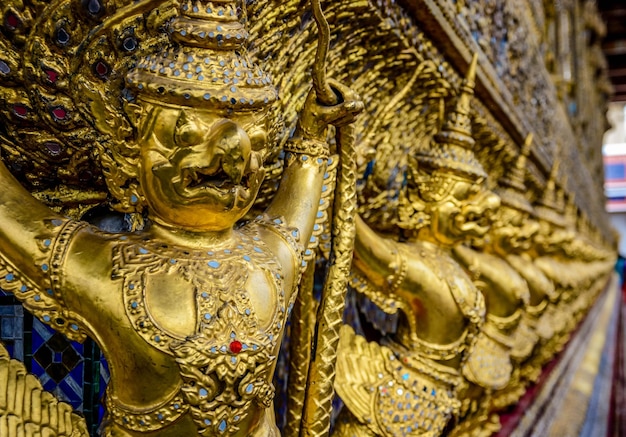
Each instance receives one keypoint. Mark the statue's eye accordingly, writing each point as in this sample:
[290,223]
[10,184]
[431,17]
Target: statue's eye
[188,135]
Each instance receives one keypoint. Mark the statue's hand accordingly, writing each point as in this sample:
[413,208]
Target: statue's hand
[316,116]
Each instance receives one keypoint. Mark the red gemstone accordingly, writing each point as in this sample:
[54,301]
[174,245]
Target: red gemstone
[101,68]
[59,113]
[20,110]
[53,76]
[12,20]
[235,347]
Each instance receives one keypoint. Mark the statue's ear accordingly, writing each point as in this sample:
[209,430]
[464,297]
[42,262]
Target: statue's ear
[133,112]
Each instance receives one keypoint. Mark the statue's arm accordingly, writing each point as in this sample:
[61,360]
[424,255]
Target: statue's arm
[32,243]
[299,192]
[297,200]
[378,259]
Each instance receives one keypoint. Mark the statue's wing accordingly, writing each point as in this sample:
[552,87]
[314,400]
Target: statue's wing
[26,409]
[359,365]
[401,114]
[51,55]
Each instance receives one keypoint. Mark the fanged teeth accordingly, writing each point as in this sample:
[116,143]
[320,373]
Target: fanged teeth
[195,178]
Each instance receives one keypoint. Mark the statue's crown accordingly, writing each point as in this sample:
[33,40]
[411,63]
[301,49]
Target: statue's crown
[205,63]
[512,190]
[453,147]
[550,207]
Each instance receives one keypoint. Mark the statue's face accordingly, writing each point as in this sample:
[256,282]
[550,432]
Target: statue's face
[513,231]
[465,213]
[200,169]
[550,238]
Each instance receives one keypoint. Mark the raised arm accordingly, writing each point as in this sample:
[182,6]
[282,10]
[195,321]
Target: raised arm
[29,250]
[299,193]
[377,258]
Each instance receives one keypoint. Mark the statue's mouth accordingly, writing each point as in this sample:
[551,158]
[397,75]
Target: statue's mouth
[194,179]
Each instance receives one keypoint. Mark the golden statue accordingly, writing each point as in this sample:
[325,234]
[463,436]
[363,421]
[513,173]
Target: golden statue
[187,218]
[547,256]
[191,309]
[419,368]
[508,242]
[507,293]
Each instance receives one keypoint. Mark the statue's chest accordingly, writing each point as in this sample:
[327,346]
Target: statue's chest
[219,313]
[171,294]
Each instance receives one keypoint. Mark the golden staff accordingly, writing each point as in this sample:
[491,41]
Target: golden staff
[324,91]
[320,391]
[300,341]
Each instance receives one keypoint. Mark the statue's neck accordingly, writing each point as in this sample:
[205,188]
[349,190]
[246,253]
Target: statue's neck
[191,239]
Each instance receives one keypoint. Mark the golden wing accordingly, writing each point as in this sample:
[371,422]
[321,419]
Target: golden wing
[400,114]
[26,409]
[359,365]
[49,133]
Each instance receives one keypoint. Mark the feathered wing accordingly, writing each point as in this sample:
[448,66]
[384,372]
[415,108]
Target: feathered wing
[371,42]
[26,409]
[359,365]
[62,69]
[63,64]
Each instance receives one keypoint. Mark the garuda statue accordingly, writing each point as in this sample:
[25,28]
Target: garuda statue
[409,385]
[192,308]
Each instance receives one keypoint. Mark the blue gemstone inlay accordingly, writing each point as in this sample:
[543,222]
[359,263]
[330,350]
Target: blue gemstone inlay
[222,426]
[203,392]
[249,388]
[214,264]
[246,257]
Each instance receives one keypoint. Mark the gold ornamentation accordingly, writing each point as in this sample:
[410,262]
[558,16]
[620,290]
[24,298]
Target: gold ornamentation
[394,392]
[182,121]
[158,110]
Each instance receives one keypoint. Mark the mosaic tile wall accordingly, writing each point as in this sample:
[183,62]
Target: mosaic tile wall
[76,373]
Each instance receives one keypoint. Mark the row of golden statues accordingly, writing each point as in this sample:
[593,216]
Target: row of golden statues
[191,300]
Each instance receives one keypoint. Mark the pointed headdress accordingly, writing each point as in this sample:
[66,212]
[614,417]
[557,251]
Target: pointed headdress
[512,190]
[206,63]
[550,206]
[452,149]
